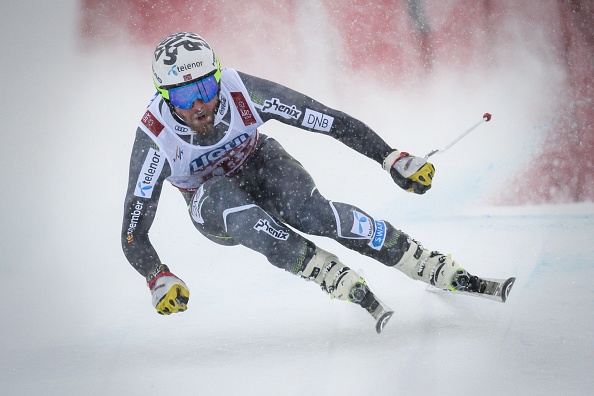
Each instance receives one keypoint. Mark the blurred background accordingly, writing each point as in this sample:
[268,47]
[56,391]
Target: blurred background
[405,45]
[515,197]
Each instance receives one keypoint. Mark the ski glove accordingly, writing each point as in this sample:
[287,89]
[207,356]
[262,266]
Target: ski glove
[413,174]
[170,294]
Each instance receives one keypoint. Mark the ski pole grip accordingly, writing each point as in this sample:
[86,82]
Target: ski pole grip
[487,117]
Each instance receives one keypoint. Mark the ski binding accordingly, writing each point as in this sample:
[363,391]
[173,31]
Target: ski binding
[495,289]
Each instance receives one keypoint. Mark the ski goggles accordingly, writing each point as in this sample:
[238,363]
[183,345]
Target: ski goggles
[183,97]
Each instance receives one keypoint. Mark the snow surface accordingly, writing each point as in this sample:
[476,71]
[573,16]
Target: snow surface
[77,318]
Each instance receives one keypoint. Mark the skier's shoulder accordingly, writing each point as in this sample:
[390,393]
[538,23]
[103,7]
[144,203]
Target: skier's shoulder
[230,77]
[234,80]
[235,84]
[157,105]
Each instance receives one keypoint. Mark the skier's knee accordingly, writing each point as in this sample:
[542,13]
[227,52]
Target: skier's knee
[314,215]
[203,220]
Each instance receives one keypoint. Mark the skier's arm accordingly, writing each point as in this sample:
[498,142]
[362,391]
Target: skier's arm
[275,101]
[140,206]
[294,108]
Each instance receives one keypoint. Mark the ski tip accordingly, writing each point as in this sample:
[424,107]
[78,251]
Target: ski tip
[382,321]
[506,288]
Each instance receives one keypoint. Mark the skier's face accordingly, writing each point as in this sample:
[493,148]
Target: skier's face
[200,117]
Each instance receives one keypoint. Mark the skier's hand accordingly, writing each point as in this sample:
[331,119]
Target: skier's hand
[413,174]
[170,294]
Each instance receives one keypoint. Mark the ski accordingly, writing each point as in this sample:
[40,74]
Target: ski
[495,289]
[378,310]
[363,296]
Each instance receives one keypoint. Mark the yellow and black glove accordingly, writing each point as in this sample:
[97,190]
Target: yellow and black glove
[170,294]
[413,174]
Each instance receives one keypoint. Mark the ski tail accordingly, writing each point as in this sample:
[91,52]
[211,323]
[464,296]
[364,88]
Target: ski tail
[506,288]
[378,310]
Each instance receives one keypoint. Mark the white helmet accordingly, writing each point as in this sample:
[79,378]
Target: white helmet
[181,58]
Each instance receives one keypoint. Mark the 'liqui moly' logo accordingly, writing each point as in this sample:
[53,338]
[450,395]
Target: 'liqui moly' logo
[216,154]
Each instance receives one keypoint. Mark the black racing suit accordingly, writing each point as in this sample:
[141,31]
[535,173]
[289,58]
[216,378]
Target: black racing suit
[253,205]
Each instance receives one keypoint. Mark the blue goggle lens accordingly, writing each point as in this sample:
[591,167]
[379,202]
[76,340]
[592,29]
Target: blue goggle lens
[184,97]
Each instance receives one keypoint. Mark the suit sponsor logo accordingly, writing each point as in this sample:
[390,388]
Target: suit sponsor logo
[264,225]
[275,106]
[317,121]
[377,241]
[151,122]
[244,109]
[151,169]
[362,225]
[178,154]
[222,105]
[134,217]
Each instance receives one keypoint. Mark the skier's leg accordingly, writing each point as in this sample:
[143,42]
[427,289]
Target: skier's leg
[379,240]
[222,209]
[437,269]
[290,191]
[211,231]
[225,209]
[335,278]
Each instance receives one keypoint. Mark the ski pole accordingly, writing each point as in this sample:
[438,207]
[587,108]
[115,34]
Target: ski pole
[486,117]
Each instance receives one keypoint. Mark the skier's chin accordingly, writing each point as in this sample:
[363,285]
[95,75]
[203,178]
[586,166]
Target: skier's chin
[202,126]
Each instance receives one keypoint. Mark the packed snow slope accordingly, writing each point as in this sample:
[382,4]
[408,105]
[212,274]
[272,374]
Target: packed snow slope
[77,318]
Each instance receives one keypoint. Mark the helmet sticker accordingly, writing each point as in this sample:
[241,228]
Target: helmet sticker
[170,45]
[182,57]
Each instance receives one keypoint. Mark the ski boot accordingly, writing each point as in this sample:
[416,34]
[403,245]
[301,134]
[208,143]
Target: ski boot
[441,272]
[431,267]
[342,283]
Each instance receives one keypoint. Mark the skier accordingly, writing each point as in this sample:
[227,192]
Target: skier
[200,133]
